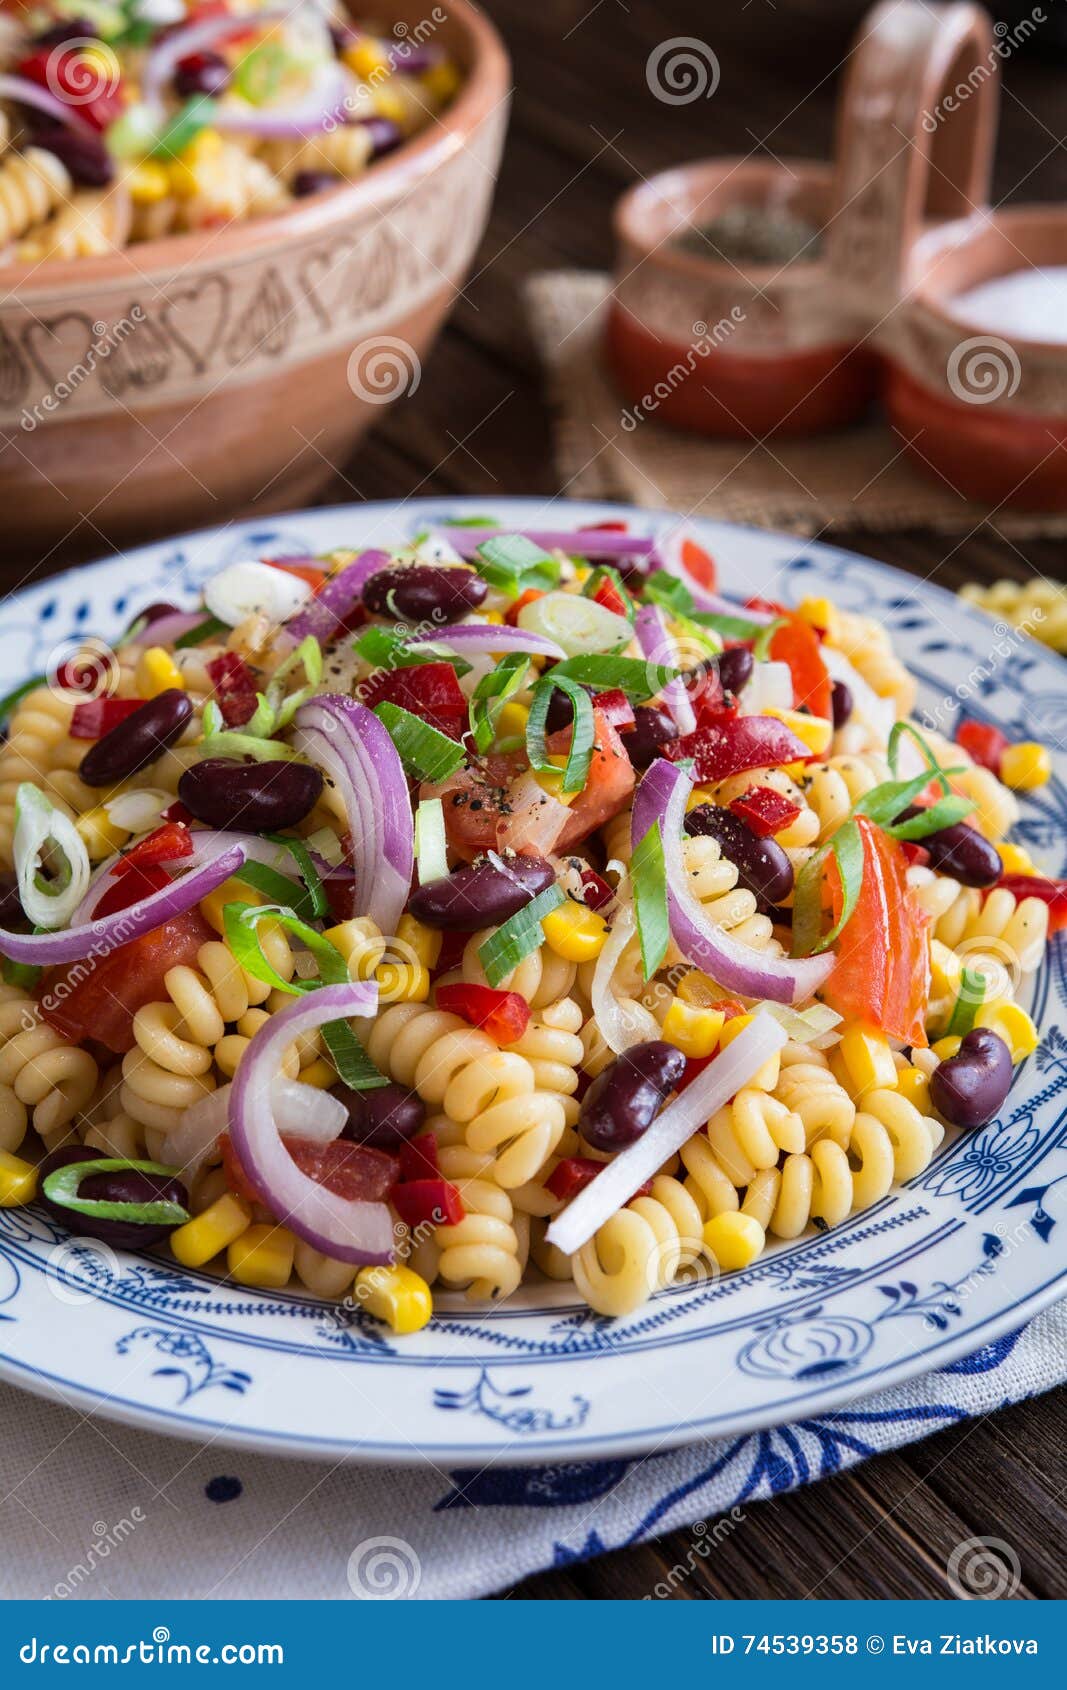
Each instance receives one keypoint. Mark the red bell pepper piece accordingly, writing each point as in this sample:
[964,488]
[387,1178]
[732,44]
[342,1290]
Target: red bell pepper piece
[601,528]
[728,745]
[165,844]
[797,644]
[598,894]
[434,1202]
[235,688]
[511,615]
[616,707]
[129,888]
[882,973]
[429,690]
[765,811]
[505,1016]
[63,73]
[177,812]
[699,564]
[418,1158]
[574,1173]
[97,716]
[1051,892]
[305,569]
[769,607]
[985,743]
[353,1171]
[608,595]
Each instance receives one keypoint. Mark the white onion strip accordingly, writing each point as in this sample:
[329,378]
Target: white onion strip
[350,1230]
[689,1112]
[488,636]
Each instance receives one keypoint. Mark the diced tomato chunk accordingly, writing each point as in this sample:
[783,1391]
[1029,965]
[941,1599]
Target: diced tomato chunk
[166,844]
[505,1016]
[97,716]
[765,811]
[435,1202]
[352,1171]
[98,998]
[235,688]
[881,975]
[428,690]
[985,743]
[797,645]
[305,569]
[511,615]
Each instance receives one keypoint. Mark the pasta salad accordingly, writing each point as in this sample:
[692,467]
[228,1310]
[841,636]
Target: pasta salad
[127,120]
[505,907]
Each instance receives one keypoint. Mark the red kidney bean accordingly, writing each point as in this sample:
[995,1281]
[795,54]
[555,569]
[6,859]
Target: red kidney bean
[841,703]
[255,797]
[88,160]
[625,1099]
[969,1088]
[201,73]
[653,729]
[130,1185]
[560,710]
[384,1118]
[960,851]
[762,866]
[70,29]
[480,894]
[735,668]
[308,182]
[139,740]
[424,592]
[154,612]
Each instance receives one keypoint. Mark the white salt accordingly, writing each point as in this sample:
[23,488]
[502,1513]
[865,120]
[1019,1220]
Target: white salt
[1031,303]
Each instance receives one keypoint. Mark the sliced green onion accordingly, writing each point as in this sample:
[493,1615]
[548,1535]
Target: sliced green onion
[514,564]
[274,886]
[431,852]
[309,874]
[205,630]
[583,735]
[258,76]
[847,848]
[11,700]
[61,1186]
[649,877]
[705,637]
[24,975]
[426,753]
[354,1067]
[492,693]
[896,734]
[973,986]
[580,627]
[667,590]
[637,679]
[521,934]
[945,813]
[728,627]
[48,900]
[186,124]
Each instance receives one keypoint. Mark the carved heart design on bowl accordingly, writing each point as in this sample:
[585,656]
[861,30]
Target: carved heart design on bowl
[195,317]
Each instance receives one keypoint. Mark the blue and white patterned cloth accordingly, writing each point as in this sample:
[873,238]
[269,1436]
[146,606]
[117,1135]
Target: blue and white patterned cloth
[93,1510]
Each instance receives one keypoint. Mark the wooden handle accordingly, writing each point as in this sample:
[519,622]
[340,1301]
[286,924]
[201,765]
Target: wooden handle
[916,128]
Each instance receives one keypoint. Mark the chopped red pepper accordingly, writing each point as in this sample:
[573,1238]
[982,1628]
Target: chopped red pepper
[428,690]
[97,716]
[177,812]
[985,743]
[1051,892]
[129,887]
[601,528]
[67,75]
[505,1016]
[728,745]
[765,811]
[699,564]
[235,688]
[164,844]
[797,645]
[436,1202]
[353,1171]
[616,707]
[882,973]
[511,615]
[418,1158]
[769,607]
[305,569]
[608,595]
[574,1173]
[598,894]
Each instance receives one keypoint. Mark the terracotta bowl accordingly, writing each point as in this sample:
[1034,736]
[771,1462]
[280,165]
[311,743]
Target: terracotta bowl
[181,381]
[985,407]
[721,349]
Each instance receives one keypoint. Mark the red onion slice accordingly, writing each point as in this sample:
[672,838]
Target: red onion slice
[348,1230]
[27,93]
[691,1110]
[657,645]
[325,101]
[323,615]
[206,846]
[488,636]
[669,554]
[166,629]
[353,747]
[98,939]
[661,797]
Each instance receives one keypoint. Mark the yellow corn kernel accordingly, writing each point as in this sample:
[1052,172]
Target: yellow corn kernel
[262,1256]
[914,1086]
[1026,766]
[157,672]
[765,1078]
[441,81]
[401,982]
[694,1031]
[148,182]
[511,722]
[820,613]
[318,1073]
[1014,1026]
[699,795]
[18,1181]
[734,1239]
[186,172]
[214,1229]
[575,933]
[813,731]
[551,780]
[869,1061]
[496,617]
[101,835]
[1015,860]
[388,103]
[946,970]
[946,1047]
[230,892]
[423,942]
[397,1295]
[360,943]
[698,989]
[366,57]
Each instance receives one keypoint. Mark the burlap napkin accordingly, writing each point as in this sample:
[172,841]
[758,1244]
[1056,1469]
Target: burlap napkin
[858,478]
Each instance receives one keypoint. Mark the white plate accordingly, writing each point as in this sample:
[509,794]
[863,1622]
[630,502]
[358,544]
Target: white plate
[967,1252]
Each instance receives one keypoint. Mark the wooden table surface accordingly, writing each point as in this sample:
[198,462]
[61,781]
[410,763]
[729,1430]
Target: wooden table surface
[583,126]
